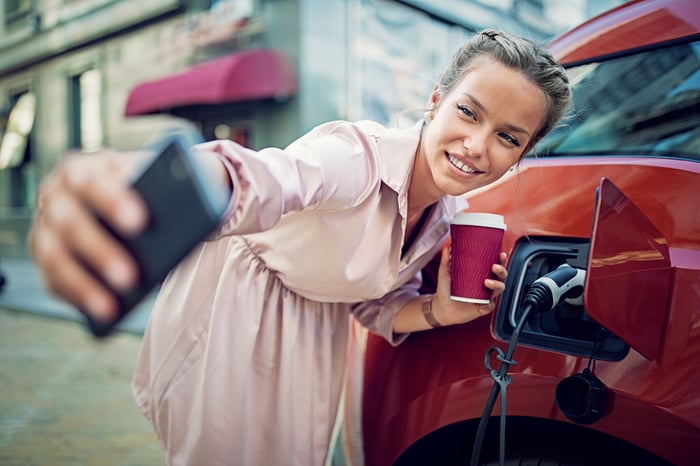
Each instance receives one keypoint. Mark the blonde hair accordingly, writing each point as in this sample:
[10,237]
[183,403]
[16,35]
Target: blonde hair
[533,61]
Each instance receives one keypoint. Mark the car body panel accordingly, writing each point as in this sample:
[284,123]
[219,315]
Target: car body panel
[640,213]
[414,395]
[458,394]
[664,191]
[557,196]
[631,25]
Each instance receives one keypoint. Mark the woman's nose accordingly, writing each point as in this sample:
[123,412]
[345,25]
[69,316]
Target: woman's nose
[476,144]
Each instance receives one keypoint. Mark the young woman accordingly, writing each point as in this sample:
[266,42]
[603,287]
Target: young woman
[243,357]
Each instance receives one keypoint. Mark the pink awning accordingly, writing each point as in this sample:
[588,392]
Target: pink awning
[247,75]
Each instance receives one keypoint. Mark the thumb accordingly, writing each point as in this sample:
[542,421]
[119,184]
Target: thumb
[443,285]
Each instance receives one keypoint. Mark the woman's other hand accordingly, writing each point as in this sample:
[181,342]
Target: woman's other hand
[448,311]
[70,246]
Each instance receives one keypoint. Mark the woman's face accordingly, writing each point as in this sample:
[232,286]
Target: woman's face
[480,129]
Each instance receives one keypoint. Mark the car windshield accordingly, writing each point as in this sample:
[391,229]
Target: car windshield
[646,104]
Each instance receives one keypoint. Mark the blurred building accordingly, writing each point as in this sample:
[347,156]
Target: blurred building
[87,74]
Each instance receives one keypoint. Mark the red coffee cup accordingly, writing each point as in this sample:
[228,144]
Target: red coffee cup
[476,244]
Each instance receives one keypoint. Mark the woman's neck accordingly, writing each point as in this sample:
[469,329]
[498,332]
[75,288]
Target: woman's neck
[422,191]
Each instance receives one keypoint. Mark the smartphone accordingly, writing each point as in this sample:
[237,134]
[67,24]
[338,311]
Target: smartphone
[184,208]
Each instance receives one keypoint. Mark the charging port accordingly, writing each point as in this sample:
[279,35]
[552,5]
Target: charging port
[567,328]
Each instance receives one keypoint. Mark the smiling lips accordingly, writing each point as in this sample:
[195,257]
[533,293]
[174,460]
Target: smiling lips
[461,165]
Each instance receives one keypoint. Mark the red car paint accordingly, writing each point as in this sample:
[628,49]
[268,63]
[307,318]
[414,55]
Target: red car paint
[640,214]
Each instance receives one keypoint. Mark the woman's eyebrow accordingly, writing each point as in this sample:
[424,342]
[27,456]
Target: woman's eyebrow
[508,126]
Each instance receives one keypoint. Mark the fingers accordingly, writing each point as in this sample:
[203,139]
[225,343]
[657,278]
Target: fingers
[444,269]
[87,240]
[484,309]
[497,286]
[85,236]
[62,272]
[69,244]
[499,270]
[451,311]
[100,182]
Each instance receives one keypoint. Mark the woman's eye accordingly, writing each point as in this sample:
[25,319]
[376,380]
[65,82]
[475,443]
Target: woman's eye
[510,139]
[466,111]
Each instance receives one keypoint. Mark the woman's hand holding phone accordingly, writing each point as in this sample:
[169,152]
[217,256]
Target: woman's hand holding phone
[76,255]
[109,227]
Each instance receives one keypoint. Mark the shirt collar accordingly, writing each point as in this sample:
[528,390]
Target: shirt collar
[397,150]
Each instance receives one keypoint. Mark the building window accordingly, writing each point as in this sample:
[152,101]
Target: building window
[16,10]
[86,111]
[16,150]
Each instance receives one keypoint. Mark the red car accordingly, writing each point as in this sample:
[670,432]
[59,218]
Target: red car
[614,377]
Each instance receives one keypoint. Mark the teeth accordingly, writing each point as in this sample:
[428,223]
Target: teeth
[460,165]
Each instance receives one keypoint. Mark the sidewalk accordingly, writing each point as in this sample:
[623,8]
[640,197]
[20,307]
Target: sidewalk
[66,396]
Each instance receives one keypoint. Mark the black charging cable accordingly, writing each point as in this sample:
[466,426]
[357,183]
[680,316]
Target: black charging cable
[564,282]
[501,381]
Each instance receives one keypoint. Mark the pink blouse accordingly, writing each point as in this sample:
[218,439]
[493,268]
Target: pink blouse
[244,356]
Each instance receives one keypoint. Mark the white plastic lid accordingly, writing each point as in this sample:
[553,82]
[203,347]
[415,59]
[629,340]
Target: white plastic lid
[479,219]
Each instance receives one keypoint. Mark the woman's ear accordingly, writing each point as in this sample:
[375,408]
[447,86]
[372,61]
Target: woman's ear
[434,100]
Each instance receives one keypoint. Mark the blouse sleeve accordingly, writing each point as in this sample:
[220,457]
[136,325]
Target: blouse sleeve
[378,314]
[333,167]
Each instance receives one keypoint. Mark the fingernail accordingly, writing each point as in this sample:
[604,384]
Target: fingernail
[131,217]
[98,306]
[119,275]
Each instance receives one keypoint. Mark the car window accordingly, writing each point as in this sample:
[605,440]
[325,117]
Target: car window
[645,104]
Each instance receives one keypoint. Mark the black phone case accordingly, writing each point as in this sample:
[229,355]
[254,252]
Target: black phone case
[182,214]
